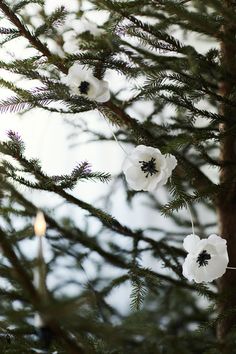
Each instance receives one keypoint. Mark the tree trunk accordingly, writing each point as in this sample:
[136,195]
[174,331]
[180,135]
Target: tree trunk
[227,199]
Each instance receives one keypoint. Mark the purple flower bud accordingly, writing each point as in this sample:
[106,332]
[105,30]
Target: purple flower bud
[14,136]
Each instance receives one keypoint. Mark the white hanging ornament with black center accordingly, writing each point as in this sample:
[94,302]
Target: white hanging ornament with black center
[81,81]
[147,169]
[207,259]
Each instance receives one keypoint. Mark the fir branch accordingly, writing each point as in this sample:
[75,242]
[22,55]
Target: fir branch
[8,30]
[35,42]
[203,23]
[17,104]
[56,19]
[14,104]
[138,293]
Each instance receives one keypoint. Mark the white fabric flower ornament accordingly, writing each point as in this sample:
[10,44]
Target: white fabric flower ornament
[147,169]
[207,259]
[81,81]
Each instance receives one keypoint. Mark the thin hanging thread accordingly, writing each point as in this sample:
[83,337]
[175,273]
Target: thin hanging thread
[115,137]
[191,218]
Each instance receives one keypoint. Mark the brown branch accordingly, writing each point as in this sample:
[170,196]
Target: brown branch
[227,199]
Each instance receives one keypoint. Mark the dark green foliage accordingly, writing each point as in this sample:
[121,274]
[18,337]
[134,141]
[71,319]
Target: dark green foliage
[149,43]
[56,19]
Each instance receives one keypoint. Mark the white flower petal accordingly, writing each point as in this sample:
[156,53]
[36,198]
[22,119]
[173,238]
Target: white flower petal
[216,267]
[126,164]
[188,267]
[134,173]
[165,177]
[219,242]
[152,184]
[216,239]
[191,242]
[200,274]
[135,180]
[104,97]
[141,156]
[155,181]
[103,94]
[147,150]
[138,185]
[93,88]
[160,160]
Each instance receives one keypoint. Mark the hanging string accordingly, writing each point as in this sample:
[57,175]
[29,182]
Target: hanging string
[190,215]
[126,153]
[231,268]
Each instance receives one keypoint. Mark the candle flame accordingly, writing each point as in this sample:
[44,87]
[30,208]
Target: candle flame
[40,224]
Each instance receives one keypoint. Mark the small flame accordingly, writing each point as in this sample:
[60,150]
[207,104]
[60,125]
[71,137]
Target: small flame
[40,224]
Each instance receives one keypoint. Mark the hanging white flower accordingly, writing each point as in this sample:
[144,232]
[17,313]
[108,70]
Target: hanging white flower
[207,259]
[147,169]
[82,82]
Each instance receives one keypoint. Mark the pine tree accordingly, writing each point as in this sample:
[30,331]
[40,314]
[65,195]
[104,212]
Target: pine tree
[156,46]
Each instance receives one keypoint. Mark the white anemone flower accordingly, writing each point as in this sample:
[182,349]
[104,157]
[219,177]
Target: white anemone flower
[147,169]
[207,259]
[81,81]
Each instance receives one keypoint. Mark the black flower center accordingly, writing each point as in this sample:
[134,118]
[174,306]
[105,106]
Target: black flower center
[203,258]
[84,87]
[149,167]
